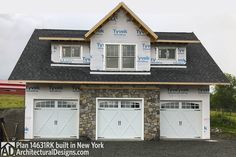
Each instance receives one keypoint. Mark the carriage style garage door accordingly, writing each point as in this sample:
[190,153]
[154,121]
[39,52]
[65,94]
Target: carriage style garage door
[119,119]
[180,119]
[55,119]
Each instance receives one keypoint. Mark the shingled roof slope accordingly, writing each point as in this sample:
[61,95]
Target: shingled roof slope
[35,64]
[81,33]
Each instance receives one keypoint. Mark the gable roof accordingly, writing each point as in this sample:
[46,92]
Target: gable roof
[122,5]
[35,64]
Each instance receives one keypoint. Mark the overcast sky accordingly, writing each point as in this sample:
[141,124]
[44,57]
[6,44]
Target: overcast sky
[213,21]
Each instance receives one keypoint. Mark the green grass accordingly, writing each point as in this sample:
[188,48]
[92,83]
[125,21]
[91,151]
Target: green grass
[11,101]
[227,114]
[225,122]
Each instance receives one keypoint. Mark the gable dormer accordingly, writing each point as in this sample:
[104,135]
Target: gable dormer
[120,42]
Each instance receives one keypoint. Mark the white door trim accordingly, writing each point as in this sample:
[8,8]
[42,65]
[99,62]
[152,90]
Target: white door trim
[109,98]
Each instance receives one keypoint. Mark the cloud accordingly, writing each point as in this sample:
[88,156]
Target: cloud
[15,30]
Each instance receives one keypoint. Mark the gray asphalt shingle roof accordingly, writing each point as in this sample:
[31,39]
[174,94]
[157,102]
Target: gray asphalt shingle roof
[81,33]
[34,63]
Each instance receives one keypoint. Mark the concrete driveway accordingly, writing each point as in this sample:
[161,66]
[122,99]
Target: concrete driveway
[221,148]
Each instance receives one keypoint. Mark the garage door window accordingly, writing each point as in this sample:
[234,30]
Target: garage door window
[66,104]
[108,104]
[130,104]
[180,105]
[190,105]
[55,103]
[120,104]
[44,103]
[170,105]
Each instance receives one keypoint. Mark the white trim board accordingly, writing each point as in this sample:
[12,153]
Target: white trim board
[120,73]
[143,73]
[168,66]
[70,65]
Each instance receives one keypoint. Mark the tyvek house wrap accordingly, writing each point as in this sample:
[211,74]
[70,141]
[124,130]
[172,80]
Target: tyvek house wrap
[120,29]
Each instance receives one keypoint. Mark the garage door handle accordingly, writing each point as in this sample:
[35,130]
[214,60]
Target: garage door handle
[119,123]
[55,122]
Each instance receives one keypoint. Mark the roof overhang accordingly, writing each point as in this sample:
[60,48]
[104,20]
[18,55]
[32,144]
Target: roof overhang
[83,39]
[62,39]
[129,12]
[119,83]
[179,41]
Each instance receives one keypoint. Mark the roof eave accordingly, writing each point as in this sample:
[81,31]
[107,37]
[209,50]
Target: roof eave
[112,82]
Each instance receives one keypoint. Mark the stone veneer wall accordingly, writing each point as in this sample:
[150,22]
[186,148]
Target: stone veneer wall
[151,108]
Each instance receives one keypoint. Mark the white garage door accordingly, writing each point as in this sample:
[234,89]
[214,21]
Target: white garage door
[55,119]
[180,119]
[119,119]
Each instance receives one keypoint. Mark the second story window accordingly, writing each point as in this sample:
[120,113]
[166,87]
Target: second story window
[167,53]
[128,56]
[120,56]
[71,51]
[112,56]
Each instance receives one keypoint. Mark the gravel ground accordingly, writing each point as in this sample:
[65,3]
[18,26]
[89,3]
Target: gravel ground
[220,148]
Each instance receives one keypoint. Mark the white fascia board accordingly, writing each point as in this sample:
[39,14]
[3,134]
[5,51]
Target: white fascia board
[70,65]
[168,66]
[120,73]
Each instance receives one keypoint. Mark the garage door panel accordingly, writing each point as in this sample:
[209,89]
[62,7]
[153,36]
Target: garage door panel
[193,123]
[122,121]
[180,120]
[55,118]
[66,123]
[44,120]
[107,119]
[109,132]
[107,115]
[169,124]
[130,132]
[132,119]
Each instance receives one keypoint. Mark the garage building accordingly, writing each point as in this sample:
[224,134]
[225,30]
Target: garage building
[117,81]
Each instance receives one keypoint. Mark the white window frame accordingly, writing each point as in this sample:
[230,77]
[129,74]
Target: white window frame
[166,59]
[120,57]
[81,52]
[129,99]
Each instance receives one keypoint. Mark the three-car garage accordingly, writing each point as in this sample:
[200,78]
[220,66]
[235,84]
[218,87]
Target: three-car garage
[69,113]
